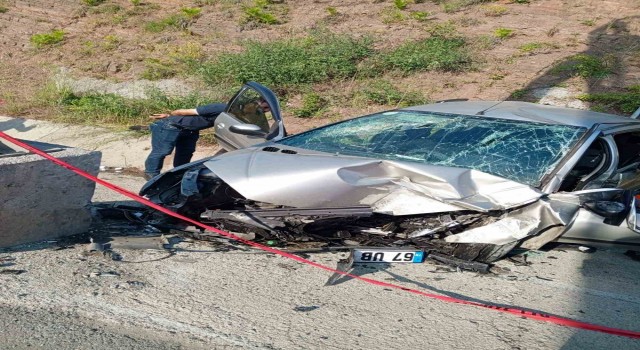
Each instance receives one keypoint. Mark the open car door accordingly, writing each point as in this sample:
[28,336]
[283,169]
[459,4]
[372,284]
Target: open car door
[252,116]
[609,194]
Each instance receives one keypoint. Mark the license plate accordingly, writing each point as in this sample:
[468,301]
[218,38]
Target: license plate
[388,256]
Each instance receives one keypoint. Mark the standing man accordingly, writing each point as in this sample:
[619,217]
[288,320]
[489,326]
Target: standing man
[179,129]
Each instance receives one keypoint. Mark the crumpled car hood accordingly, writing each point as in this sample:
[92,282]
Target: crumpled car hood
[315,179]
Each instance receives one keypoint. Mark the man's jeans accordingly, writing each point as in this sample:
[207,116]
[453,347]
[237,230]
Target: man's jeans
[164,138]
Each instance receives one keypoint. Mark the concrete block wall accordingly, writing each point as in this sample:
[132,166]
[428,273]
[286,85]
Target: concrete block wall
[40,200]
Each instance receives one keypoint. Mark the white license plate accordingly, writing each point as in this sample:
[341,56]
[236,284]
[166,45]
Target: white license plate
[388,256]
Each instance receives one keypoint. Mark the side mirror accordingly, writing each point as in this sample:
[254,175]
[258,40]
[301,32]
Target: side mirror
[247,129]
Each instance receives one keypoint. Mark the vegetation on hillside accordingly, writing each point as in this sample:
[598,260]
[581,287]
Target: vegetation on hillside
[316,69]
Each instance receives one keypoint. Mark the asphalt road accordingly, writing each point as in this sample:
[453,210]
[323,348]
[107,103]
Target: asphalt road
[206,297]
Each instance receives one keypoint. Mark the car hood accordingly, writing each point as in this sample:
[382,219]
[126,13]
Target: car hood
[306,179]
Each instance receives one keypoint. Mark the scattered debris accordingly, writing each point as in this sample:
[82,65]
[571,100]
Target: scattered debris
[544,279]
[135,214]
[7,261]
[12,271]
[459,263]
[61,247]
[344,265]
[585,249]
[94,247]
[104,274]
[305,308]
[519,260]
[160,242]
[135,284]
[111,169]
[443,269]
[497,270]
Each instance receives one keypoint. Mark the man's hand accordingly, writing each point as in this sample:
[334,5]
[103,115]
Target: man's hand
[159,116]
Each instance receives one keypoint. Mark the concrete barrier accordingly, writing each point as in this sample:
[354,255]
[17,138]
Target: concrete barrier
[40,200]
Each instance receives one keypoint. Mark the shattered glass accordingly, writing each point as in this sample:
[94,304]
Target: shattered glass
[516,150]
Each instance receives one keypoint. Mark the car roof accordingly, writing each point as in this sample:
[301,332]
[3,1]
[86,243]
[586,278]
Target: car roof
[526,111]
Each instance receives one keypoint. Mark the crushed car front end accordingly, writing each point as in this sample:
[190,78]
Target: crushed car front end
[462,185]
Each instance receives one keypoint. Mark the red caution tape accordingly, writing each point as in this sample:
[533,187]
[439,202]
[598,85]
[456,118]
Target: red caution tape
[511,310]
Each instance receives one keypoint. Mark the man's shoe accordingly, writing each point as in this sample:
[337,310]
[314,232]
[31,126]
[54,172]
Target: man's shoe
[148,176]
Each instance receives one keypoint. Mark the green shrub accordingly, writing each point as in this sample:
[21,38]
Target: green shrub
[503,33]
[106,8]
[382,92]
[535,47]
[401,4]
[457,5]
[420,16]
[626,101]
[3,9]
[156,69]
[92,2]
[495,10]
[290,62]
[191,12]
[332,11]
[88,48]
[111,109]
[518,94]
[256,14]
[530,47]
[586,66]
[484,42]
[46,39]
[110,42]
[589,22]
[189,53]
[423,55]
[182,20]
[446,29]
[312,104]
[392,15]
[259,13]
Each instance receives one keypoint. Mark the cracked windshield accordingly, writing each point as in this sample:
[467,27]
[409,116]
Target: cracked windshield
[516,150]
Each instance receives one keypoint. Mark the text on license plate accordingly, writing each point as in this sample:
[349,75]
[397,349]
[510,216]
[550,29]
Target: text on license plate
[388,256]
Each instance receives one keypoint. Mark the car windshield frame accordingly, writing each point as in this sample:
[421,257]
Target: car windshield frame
[517,150]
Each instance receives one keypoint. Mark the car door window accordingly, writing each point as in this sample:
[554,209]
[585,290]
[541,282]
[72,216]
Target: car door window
[591,164]
[251,108]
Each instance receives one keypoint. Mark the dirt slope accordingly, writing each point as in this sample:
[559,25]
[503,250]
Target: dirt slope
[110,41]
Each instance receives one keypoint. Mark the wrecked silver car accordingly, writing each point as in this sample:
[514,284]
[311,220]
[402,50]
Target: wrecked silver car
[470,179]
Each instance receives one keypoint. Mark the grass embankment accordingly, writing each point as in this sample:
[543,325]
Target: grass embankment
[626,101]
[112,109]
[290,67]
